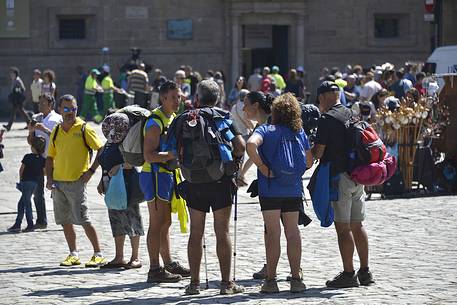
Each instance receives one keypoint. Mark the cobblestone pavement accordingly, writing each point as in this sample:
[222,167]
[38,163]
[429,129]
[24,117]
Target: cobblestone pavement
[412,248]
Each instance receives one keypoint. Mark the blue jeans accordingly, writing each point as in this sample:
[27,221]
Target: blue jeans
[25,203]
[40,203]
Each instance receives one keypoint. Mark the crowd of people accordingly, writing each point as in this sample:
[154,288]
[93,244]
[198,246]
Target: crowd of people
[261,116]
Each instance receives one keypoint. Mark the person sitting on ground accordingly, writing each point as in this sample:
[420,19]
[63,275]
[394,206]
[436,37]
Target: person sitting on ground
[30,172]
[123,222]
[277,201]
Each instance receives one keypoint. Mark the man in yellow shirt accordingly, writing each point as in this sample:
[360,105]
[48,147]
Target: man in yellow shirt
[280,83]
[91,87]
[68,171]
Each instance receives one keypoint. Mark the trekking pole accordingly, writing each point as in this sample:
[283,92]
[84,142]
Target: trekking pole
[206,263]
[235,218]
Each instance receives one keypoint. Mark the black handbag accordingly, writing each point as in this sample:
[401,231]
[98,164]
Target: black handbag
[132,184]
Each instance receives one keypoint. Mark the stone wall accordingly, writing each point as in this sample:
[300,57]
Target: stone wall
[336,32]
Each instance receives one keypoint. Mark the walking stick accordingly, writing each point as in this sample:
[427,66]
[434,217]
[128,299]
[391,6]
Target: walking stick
[206,262]
[235,218]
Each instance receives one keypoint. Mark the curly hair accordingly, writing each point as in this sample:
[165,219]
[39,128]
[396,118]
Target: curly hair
[286,111]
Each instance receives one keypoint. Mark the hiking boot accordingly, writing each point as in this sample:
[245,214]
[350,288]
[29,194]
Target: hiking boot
[365,277]
[262,274]
[160,275]
[289,277]
[343,280]
[193,288]
[40,226]
[29,229]
[269,286]
[14,229]
[297,285]
[176,268]
[231,288]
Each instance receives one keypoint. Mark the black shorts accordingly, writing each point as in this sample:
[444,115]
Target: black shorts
[217,195]
[283,204]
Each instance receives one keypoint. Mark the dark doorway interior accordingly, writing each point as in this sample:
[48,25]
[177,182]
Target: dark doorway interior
[273,50]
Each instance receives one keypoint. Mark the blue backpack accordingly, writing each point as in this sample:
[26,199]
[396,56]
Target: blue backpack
[289,162]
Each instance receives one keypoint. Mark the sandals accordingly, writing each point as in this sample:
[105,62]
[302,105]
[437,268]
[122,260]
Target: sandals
[113,265]
[133,264]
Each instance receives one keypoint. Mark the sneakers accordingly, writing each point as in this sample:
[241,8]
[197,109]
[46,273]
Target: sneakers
[269,286]
[71,260]
[297,285]
[262,274]
[230,288]
[343,280]
[161,275]
[14,229]
[176,268]
[365,277]
[96,261]
[193,288]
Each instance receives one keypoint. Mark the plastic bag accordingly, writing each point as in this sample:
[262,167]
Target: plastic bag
[116,195]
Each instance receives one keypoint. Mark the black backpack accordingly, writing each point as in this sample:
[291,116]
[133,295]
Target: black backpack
[83,132]
[198,142]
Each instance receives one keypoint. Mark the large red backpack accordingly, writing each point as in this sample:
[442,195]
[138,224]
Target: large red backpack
[363,144]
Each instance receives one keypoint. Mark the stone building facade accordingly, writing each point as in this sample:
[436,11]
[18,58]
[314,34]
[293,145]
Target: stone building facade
[229,35]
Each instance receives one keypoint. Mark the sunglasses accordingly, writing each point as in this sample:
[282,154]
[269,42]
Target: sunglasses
[68,109]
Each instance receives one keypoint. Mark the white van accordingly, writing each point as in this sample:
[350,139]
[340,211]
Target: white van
[442,61]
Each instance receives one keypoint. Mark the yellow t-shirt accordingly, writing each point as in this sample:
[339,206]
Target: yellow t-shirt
[70,154]
[107,83]
[156,122]
[91,84]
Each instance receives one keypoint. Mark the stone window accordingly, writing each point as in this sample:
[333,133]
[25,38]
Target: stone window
[72,28]
[386,26]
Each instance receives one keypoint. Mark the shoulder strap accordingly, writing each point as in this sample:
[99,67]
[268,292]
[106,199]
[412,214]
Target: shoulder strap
[83,132]
[164,129]
[55,135]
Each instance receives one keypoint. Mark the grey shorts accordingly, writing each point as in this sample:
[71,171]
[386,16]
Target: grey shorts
[350,206]
[126,222]
[70,203]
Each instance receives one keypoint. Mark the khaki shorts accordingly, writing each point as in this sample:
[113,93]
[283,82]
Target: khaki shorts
[350,206]
[70,206]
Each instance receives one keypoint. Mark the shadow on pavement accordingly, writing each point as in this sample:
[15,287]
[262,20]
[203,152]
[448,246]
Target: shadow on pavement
[322,293]
[28,269]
